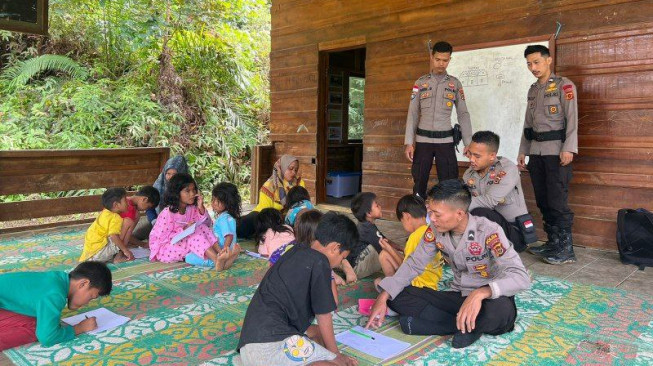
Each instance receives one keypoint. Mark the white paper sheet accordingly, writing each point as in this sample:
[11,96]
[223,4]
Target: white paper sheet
[373,343]
[140,253]
[106,319]
[189,230]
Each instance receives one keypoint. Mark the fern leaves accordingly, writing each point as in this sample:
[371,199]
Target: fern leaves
[21,72]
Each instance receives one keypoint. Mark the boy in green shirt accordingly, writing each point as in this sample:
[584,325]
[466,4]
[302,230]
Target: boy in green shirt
[31,303]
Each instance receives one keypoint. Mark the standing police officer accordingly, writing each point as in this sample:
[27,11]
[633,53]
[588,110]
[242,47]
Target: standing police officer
[428,126]
[550,139]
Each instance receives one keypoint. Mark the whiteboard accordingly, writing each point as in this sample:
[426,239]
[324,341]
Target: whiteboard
[496,82]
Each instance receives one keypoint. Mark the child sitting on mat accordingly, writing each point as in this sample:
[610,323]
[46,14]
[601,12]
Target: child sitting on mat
[297,289]
[146,198]
[102,241]
[184,207]
[297,200]
[225,202]
[271,232]
[31,303]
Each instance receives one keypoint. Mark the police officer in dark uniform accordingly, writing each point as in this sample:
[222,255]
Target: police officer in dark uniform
[428,126]
[550,139]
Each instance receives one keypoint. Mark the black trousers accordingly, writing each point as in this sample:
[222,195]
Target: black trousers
[510,229]
[446,164]
[551,186]
[247,225]
[439,309]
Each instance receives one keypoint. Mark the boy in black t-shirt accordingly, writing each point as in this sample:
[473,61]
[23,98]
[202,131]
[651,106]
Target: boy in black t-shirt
[374,251]
[277,328]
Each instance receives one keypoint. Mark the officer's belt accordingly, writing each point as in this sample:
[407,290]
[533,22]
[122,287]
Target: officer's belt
[530,134]
[434,134]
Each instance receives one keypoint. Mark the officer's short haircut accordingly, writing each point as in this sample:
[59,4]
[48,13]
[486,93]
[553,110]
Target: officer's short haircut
[442,47]
[488,138]
[361,205]
[111,196]
[411,204]
[453,192]
[535,48]
[338,228]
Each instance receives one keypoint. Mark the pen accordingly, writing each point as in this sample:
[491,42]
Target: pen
[86,316]
[362,334]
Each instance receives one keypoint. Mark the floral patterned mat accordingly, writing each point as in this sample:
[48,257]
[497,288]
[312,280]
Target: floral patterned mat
[183,315]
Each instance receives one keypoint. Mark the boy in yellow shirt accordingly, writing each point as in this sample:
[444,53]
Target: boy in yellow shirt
[411,211]
[102,242]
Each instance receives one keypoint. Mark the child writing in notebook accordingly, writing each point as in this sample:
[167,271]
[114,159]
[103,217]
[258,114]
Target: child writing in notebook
[225,202]
[271,232]
[297,200]
[184,207]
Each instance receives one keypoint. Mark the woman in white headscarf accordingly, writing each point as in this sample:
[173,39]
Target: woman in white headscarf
[285,175]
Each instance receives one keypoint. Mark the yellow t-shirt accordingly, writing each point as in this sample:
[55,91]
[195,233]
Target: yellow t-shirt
[433,271]
[97,235]
[264,201]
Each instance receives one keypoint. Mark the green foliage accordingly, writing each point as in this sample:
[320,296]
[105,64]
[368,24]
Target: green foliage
[97,81]
[21,72]
[356,108]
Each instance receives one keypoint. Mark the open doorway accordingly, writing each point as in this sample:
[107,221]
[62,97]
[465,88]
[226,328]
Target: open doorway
[341,126]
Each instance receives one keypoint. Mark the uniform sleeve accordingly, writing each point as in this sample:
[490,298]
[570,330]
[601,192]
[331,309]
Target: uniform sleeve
[525,145]
[49,330]
[464,118]
[412,121]
[512,276]
[570,107]
[322,301]
[412,267]
[497,193]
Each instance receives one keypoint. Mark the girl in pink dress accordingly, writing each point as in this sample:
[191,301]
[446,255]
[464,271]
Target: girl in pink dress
[184,207]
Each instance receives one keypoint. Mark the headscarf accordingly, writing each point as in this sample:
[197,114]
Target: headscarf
[177,162]
[276,183]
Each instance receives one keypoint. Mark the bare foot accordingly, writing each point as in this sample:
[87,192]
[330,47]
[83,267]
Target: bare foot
[338,279]
[221,260]
[120,258]
[233,254]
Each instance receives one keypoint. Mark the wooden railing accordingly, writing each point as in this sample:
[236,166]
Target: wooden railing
[46,171]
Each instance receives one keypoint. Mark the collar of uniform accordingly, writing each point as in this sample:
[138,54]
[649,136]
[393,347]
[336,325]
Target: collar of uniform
[445,78]
[470,234]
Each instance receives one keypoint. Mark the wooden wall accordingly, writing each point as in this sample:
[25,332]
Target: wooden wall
[603,48]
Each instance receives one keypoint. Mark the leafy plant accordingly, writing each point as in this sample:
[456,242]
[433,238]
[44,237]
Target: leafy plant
[21,72]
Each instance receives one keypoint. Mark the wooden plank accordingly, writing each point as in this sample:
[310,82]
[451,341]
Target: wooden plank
[20,166]
[49,207]
[32,228]
[83,152]
[78,180]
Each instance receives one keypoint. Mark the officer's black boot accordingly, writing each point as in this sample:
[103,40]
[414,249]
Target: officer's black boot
[552,243]
[566,253]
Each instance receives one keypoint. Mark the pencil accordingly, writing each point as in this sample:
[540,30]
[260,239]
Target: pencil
[362,334]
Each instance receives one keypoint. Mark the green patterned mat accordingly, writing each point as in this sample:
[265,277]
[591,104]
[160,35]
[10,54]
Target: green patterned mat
[183,315]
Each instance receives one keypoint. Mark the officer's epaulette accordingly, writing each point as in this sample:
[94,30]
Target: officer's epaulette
[427,76]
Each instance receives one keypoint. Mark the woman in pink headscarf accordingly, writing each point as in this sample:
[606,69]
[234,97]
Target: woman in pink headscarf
[285,175]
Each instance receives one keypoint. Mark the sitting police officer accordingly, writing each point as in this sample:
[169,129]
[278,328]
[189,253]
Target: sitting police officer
[496,190]
[487,274]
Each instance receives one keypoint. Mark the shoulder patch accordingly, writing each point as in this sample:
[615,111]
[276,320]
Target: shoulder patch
[429,236]
[493,243]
